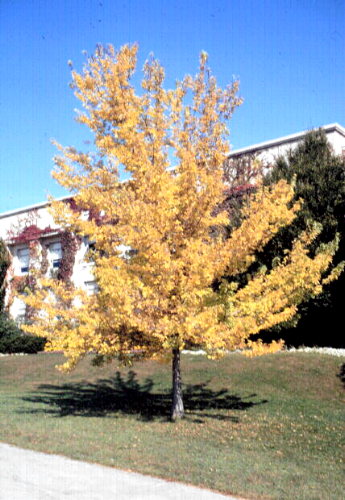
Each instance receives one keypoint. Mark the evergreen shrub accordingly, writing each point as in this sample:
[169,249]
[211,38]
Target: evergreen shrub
[14,340]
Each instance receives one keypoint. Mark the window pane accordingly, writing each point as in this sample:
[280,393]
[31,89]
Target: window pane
[55,250]
[23,255]
[55,254]
[20,312]
[91,287]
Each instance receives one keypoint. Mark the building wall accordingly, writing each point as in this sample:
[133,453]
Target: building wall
[337,141]
[269,155]
[269,151]
[13,223]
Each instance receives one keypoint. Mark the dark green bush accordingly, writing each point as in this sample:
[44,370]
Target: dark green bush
[14,340]
[4,264]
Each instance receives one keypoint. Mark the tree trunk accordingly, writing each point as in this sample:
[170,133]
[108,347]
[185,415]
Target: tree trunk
[177,410]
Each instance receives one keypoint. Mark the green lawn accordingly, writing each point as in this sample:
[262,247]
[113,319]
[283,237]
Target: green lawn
[268,427]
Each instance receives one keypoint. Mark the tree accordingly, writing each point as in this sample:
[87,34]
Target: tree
[160,237]
[243,169]
[319,179]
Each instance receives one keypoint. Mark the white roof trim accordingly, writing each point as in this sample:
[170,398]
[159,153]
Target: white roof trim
[31,207]
[286,139]
[41,205]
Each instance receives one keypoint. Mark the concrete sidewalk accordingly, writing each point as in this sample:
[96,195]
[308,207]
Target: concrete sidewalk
[29,475]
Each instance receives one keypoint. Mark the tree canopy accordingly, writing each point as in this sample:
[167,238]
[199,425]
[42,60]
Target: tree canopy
[319,179]
[160,239]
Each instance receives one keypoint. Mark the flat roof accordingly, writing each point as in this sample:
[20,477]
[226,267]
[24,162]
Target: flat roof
[17,211]
[286,139]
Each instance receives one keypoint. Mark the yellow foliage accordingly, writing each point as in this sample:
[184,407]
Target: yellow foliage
[173,144]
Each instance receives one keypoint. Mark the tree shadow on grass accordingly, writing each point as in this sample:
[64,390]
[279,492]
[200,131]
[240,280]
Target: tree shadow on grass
[127,396]
[341,374]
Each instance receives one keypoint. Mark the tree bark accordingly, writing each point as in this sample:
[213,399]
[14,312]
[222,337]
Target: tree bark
[177,410]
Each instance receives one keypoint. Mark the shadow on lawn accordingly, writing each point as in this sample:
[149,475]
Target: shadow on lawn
[128,396]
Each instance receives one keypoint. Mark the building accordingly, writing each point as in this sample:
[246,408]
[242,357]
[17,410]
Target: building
[35,241]
[269,151]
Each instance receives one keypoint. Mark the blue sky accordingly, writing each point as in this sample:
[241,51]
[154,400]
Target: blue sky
[288,54]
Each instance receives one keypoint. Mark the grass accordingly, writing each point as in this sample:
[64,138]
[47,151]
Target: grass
[268,427]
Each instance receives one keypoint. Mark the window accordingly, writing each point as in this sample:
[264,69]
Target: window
[91,287]
[23,255]
[20,314]
[126,252]
[55,254]
[91,246]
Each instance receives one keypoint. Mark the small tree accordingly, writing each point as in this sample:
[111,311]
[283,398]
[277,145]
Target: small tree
[319,179]
[159,237]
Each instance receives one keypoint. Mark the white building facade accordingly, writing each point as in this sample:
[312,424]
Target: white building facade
[32,236]
[267,152]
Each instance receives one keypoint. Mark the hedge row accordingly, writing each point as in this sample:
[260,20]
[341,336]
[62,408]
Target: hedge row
[14,340]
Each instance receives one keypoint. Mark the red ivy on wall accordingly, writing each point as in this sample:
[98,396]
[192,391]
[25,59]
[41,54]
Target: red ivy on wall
[69,245]
[31,233]
[32,236]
